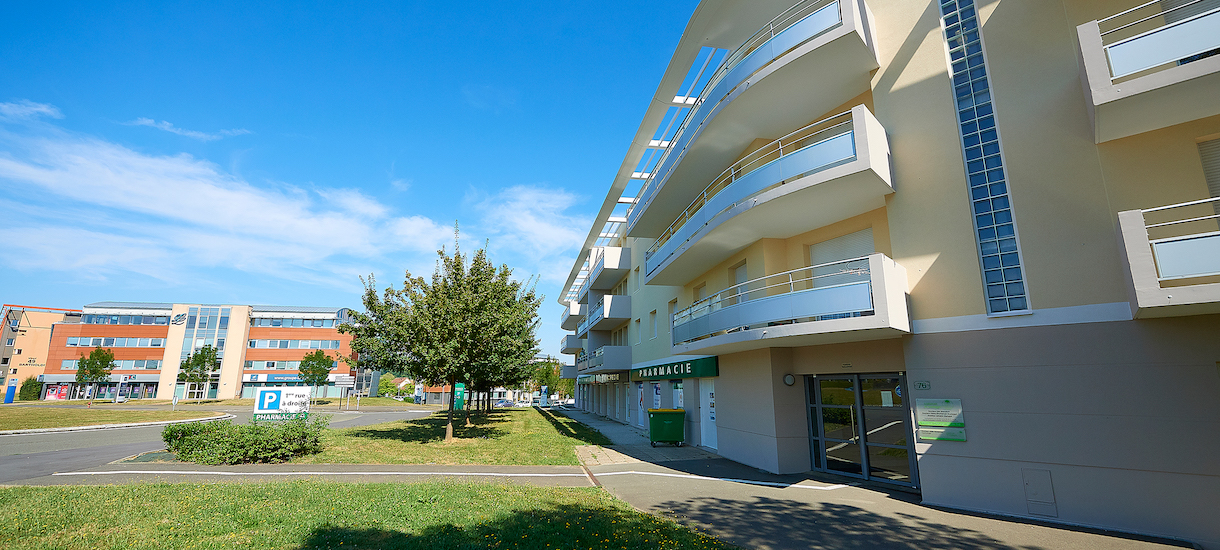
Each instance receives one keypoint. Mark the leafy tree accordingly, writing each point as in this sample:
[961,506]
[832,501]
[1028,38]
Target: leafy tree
[31,389]
[315,368]
[386,385]
[196,370]
[94,369]
[470,323]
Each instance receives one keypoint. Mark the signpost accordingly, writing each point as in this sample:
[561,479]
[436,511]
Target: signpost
[347,382]
[282,403]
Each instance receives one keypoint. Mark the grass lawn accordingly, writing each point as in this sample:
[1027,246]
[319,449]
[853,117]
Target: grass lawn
[501,437]
[311,514]
[23,418]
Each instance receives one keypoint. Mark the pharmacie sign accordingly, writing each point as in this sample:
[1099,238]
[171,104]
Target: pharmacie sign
[704,367]
[282,403]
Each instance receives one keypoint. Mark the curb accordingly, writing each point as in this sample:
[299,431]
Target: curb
[112,426]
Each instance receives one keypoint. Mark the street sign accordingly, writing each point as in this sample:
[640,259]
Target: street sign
[281,403]
[345,381]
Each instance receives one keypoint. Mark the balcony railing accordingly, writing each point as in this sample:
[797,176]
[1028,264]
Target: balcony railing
[1149,36]
[1172,258]
[833,290]
[797,25]
[1187,247]
[818,146]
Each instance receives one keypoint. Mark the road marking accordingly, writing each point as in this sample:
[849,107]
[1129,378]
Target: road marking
[209,473]
[733,480]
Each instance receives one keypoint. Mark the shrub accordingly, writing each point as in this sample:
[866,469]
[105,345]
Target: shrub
[223,442]
[31,389]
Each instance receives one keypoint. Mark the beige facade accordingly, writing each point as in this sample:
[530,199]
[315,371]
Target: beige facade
[25,341]
[865,205]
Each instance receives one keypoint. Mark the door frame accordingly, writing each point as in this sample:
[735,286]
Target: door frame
[817,443]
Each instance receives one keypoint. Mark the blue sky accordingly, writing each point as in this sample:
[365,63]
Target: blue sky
[274,152]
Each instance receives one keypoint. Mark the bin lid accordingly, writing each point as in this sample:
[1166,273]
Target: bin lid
[666,410]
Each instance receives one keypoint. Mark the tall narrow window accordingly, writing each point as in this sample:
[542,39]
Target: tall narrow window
[1209,153]
[995,231]
[652,321]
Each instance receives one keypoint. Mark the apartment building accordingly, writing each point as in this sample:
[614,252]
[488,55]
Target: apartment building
[24,340]
[257,346]
[963,248]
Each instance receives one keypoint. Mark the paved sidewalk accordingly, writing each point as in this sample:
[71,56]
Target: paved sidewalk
[754,509]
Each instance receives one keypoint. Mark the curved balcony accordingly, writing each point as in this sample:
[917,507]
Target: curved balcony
[570,344]
[610,265]
[814,56]
[826,172]
[608,313]
[571,315]
[1152,66]
[1173,263]
[847,301]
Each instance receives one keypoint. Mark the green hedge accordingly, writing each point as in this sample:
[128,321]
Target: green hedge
[223,442]
[30,389]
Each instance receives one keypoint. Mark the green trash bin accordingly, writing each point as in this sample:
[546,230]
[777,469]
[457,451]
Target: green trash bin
[666,426]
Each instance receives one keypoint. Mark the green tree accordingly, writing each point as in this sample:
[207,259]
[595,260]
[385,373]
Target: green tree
[94,369]
[470,323]
[196,370]
[315,368]
[386,385]
[31,389]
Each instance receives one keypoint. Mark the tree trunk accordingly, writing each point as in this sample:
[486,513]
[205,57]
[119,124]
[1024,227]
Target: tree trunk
[449,425]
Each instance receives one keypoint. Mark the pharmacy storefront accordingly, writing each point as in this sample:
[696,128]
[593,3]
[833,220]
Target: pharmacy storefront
[689,385]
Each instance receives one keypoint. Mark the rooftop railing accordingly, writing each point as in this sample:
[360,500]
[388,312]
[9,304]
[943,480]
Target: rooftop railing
[825,14]
[832,136]
[1149,36]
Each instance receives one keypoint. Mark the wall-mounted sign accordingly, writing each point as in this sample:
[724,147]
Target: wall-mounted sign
[179,319]
[923,385]
[704,367]
[940,420]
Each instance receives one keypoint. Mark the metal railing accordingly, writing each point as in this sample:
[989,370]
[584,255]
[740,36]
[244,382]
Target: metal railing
[780,23]
[596,313]
[822,276]
[804,138]
[1186,247]
[1148,36]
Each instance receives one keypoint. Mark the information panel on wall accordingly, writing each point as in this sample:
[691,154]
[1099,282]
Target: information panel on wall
[940,420]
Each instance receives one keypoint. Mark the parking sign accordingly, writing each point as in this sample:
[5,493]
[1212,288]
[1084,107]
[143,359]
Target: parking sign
[281,403]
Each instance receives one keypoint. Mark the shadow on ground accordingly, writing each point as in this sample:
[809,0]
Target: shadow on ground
[772,523]
[556,527]
[432,428]
[573,429]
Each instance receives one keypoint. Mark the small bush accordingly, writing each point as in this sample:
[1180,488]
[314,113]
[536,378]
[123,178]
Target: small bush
[30,390]
[223,442]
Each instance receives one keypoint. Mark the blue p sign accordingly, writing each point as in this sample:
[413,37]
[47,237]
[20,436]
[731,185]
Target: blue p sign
[269,400]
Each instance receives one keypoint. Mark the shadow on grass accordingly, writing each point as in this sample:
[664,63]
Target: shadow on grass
[574,429]
[432,428]
[566,527]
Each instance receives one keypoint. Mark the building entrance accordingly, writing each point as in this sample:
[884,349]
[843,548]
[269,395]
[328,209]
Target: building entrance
[860,425]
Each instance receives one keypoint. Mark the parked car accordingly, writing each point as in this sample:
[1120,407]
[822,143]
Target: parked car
[504,403]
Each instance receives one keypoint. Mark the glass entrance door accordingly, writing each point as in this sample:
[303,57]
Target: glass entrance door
[859,425]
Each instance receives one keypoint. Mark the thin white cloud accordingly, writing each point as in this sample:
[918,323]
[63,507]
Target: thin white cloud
[26,109]
[194,134]
[97,209]
[489,98]
[533,220]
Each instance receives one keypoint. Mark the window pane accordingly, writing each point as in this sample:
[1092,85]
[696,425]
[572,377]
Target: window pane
[881,392]
[108,342]
[891,464]
[843,457]
[839,423]
[837,392]
[886,426]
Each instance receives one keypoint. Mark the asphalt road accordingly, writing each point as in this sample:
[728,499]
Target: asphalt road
[28,456]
